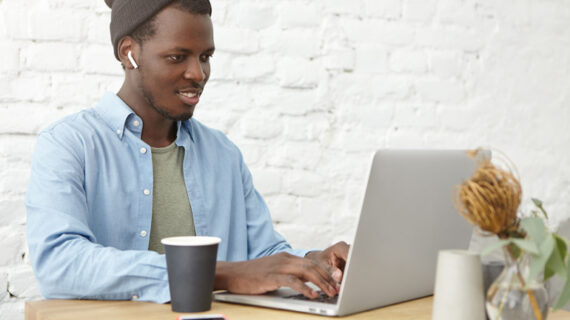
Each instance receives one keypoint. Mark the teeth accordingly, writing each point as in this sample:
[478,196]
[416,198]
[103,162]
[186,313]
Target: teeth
[188,94]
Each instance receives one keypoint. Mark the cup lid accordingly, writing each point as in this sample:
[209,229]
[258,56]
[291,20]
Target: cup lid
[191,241]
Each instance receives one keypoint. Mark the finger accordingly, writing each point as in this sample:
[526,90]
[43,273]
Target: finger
[308,270]
[335,257]
[340,251]
[297,284]
[331,276]
[336,274]
[331,271]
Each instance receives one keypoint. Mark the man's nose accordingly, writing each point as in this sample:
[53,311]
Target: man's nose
[195,71]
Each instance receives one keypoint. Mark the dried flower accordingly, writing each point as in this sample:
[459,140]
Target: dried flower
[490,200]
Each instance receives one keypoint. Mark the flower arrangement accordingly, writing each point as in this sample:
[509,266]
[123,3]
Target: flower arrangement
[490,200]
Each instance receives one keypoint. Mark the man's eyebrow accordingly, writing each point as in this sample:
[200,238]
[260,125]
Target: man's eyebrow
[184,50]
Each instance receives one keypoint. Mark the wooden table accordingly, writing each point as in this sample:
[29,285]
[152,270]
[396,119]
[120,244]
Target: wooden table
[132,310]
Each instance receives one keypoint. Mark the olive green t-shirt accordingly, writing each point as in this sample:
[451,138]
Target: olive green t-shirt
[171,210]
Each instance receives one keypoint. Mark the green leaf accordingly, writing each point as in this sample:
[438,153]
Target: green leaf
[494,246]
[565,295]
[536,202]
[535,228]
[555,263]
[526,244]
[514,250]
[561,244]
[548,271]
[539,261]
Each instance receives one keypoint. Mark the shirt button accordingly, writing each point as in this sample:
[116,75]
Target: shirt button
[118,131]
[136,123]
[143,150]
[146,192]
[143,233]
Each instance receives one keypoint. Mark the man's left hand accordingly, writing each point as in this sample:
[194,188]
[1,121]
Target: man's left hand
[334,258]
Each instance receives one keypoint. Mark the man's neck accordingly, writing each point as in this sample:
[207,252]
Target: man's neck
[158,131]
[159,137]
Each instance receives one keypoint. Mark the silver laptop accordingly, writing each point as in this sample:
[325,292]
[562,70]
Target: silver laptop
[407,217]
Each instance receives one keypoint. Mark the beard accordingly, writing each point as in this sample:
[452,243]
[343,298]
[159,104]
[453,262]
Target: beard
[149,98]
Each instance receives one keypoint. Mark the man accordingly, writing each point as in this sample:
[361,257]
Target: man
[109,182]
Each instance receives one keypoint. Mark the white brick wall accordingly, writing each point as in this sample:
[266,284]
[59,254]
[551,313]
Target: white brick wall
[308,89]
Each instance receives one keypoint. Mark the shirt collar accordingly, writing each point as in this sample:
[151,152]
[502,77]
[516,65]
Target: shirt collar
[116,113]
[184,126]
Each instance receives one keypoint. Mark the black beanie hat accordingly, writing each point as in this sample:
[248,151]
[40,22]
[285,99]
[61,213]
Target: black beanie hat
[127,15]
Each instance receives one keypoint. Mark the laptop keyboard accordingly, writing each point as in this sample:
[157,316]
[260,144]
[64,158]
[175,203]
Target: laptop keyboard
[323,297]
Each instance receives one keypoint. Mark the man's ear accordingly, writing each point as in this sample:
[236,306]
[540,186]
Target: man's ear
[126,45]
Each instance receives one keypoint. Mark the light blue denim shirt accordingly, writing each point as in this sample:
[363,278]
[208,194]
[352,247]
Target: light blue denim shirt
[89,205]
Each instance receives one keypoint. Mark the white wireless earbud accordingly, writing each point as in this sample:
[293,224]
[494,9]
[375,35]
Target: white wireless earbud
[130,56]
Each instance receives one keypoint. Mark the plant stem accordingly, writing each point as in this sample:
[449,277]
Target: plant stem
[531,297]
[504,298]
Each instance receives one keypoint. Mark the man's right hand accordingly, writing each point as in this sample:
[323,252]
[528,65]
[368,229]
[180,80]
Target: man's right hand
[272,272]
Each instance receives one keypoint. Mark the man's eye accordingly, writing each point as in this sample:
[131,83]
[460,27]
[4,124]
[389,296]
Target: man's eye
[206,57]
[176,57]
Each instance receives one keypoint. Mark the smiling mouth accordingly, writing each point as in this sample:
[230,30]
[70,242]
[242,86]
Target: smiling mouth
[189,97]
[189,94]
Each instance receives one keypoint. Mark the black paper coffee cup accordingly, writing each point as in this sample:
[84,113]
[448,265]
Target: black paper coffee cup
[191,265]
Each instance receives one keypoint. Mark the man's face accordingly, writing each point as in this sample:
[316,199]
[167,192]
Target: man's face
[175,63]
